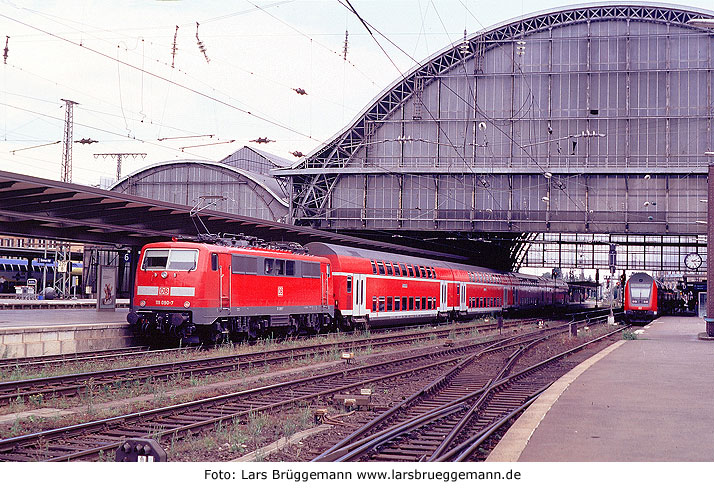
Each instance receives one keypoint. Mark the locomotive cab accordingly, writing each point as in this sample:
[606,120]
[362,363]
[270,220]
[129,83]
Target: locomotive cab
[166,296]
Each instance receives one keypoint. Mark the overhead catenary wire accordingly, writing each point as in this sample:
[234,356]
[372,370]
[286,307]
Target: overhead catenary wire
[165,79]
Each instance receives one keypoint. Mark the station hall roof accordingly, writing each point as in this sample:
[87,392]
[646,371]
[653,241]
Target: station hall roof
[37,207]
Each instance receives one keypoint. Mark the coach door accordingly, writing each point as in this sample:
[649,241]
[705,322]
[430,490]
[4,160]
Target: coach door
[442,303]
[358,295]
[462,296]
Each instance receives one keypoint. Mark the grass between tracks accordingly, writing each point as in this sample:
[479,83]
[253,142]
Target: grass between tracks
[104,401]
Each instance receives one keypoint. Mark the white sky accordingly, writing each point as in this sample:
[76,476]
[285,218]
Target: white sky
[259,52]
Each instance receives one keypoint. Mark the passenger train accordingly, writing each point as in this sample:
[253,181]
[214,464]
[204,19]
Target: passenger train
[209,292]
[646,298]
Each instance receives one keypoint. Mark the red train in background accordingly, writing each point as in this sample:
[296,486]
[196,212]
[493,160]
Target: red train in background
[646,298]
[228,289]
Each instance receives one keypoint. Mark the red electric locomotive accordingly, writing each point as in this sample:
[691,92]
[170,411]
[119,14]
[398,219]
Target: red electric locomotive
[646,298]
[208,292]
[213,292]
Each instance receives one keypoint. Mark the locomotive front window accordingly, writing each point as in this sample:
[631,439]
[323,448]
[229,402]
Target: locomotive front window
[155,259]
[170,259]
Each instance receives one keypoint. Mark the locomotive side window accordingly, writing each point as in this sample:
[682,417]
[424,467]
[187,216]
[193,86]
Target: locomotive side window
[243,264]
[310,269]
[279,267]
[290,268]
[214,262]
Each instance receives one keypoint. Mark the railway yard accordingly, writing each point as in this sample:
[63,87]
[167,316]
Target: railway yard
[431,393]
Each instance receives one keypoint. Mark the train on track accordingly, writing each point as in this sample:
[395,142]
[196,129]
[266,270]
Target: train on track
[647,298]
[227,289]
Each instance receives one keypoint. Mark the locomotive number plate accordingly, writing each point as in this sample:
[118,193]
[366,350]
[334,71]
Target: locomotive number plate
[164,303]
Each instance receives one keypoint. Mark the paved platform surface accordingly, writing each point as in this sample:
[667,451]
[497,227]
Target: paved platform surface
[13,319]
[648,399]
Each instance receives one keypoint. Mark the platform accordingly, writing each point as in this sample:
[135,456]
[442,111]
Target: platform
[648,399]
[35,332]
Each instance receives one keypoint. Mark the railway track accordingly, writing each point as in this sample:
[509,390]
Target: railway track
[452,418]
[73,384]
[106,356]
[89,440]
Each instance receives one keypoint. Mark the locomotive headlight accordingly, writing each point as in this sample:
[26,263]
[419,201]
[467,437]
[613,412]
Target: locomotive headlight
[164,274]
[187,304]
[142,303]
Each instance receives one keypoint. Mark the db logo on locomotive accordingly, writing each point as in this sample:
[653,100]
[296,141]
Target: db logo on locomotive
[163,291]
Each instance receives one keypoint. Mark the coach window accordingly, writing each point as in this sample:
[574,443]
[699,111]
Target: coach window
[411,272]
[416,271]
[214,261]
[380,266]
[396,269]
[374,304]
[349,284]
[428,272]
[458,290]
[374,266]
[404,303]
[423,302]
[389,303]
[290,268]
[423,273]
[404,270]
[389,268]
[429,301]
[396,304]
[411,304]
[417,303]
[381,304]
